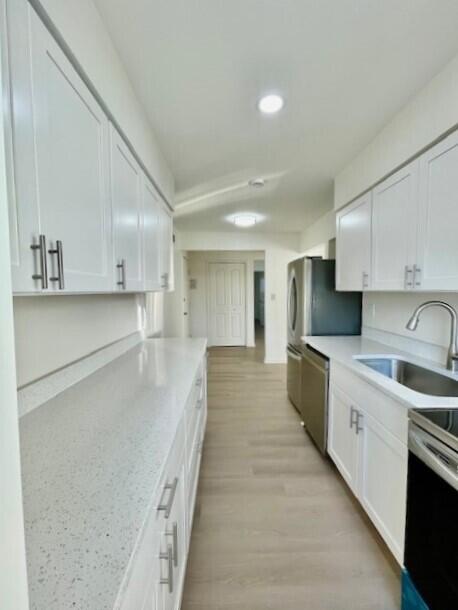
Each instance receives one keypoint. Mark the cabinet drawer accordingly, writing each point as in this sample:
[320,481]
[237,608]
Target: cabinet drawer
[392,415]
[144,566]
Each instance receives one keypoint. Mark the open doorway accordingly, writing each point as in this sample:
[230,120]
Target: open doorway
[259,304]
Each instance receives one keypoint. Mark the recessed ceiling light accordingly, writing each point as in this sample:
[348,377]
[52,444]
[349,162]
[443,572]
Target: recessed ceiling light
[270,104]
[244,220]
[257,183]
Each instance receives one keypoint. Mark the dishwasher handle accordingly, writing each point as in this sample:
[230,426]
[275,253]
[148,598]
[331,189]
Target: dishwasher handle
[294,355]
[315,358]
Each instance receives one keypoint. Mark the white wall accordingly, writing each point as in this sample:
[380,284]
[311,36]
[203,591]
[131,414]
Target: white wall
[198,270]
[279,249]
[13,577]
[319,233]
[80,24]
[52,331]
[387,312]
[431,113]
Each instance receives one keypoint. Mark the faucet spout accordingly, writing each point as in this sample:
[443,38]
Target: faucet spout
[452,356]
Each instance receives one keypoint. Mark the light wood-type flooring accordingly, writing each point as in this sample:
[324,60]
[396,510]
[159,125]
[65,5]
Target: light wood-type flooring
[275,526]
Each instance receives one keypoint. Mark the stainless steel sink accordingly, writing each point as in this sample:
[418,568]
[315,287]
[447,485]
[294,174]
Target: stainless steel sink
[412,376]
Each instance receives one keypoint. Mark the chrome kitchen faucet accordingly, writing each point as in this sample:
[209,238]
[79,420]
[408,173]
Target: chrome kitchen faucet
[452,356]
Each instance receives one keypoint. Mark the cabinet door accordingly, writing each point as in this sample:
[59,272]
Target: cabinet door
[353,260]
[342,438]
[166,233]
[127,215]
[384,458]
[63,145]
[437,236]
[394,230]
[151,237]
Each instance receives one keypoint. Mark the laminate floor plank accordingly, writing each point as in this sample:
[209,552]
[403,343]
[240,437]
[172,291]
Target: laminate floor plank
[275,526]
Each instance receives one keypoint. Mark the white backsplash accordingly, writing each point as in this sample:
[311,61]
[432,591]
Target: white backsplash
[35,394]
[385,315]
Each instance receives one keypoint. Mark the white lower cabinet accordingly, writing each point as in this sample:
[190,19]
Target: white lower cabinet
[341,437]
[155,578]
[371,456]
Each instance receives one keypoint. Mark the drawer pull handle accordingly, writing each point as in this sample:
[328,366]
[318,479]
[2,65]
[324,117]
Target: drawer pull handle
[168,556]
[174,535]
[199,382]
[199,404]
[167,508]
[359,416]
[353,412]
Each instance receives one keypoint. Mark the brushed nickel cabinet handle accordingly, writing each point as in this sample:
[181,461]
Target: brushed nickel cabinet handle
[359,416]
[167,507]
[43,275]
[417,275]
[165,277]
[408,277]
[168,556]
[59,278]
[174,535]
[122,267]
[352,411]
[199,403]
[365,279]
[199,382]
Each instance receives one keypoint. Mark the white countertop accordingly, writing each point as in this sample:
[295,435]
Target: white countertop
[344,349]
[91,460]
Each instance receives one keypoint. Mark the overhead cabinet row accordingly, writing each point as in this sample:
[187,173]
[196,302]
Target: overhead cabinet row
[84,217]
[402,234]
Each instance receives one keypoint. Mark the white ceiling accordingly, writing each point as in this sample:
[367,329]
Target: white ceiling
[344,67]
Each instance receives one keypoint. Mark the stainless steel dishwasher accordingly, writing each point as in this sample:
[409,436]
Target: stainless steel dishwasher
[314,396]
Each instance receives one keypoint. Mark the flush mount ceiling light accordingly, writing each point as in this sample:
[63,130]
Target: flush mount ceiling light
[257,183]
[244,220]
[270,104]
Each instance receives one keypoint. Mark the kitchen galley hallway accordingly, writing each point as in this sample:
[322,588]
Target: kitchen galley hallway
[275,526]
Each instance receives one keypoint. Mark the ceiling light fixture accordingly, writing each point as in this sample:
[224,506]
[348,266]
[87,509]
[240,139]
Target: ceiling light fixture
[244,220]
[270,104]
[257,183]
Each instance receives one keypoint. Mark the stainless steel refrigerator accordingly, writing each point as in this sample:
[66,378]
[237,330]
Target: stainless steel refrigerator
[315,308]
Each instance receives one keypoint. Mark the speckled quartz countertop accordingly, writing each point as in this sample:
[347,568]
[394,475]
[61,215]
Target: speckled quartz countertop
[346,350]
[91,460]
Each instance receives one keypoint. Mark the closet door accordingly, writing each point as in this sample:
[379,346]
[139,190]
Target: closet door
[437,260]
[71,153]
[394,230]
[151,236]
[126,184]
[353,259]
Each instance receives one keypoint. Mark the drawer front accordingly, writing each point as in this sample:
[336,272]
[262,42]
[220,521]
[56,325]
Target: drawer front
[144,569]
[390,414]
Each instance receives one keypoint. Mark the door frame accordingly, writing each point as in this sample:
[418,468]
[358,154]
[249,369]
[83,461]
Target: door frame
[207,300]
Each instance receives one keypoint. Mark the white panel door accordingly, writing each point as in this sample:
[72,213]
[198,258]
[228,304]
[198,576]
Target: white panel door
[384,458]
[353,259]
[151,236]
[394,230]
[62,150]
[127,216]
[226,300]
[437,261]
[343,442]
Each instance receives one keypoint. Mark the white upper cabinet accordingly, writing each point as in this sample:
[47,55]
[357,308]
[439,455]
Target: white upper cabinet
[437,261]
[151,237]
[166,248]
[126,196]
[353,265]
[83,216]
[60,144]
[394,223]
